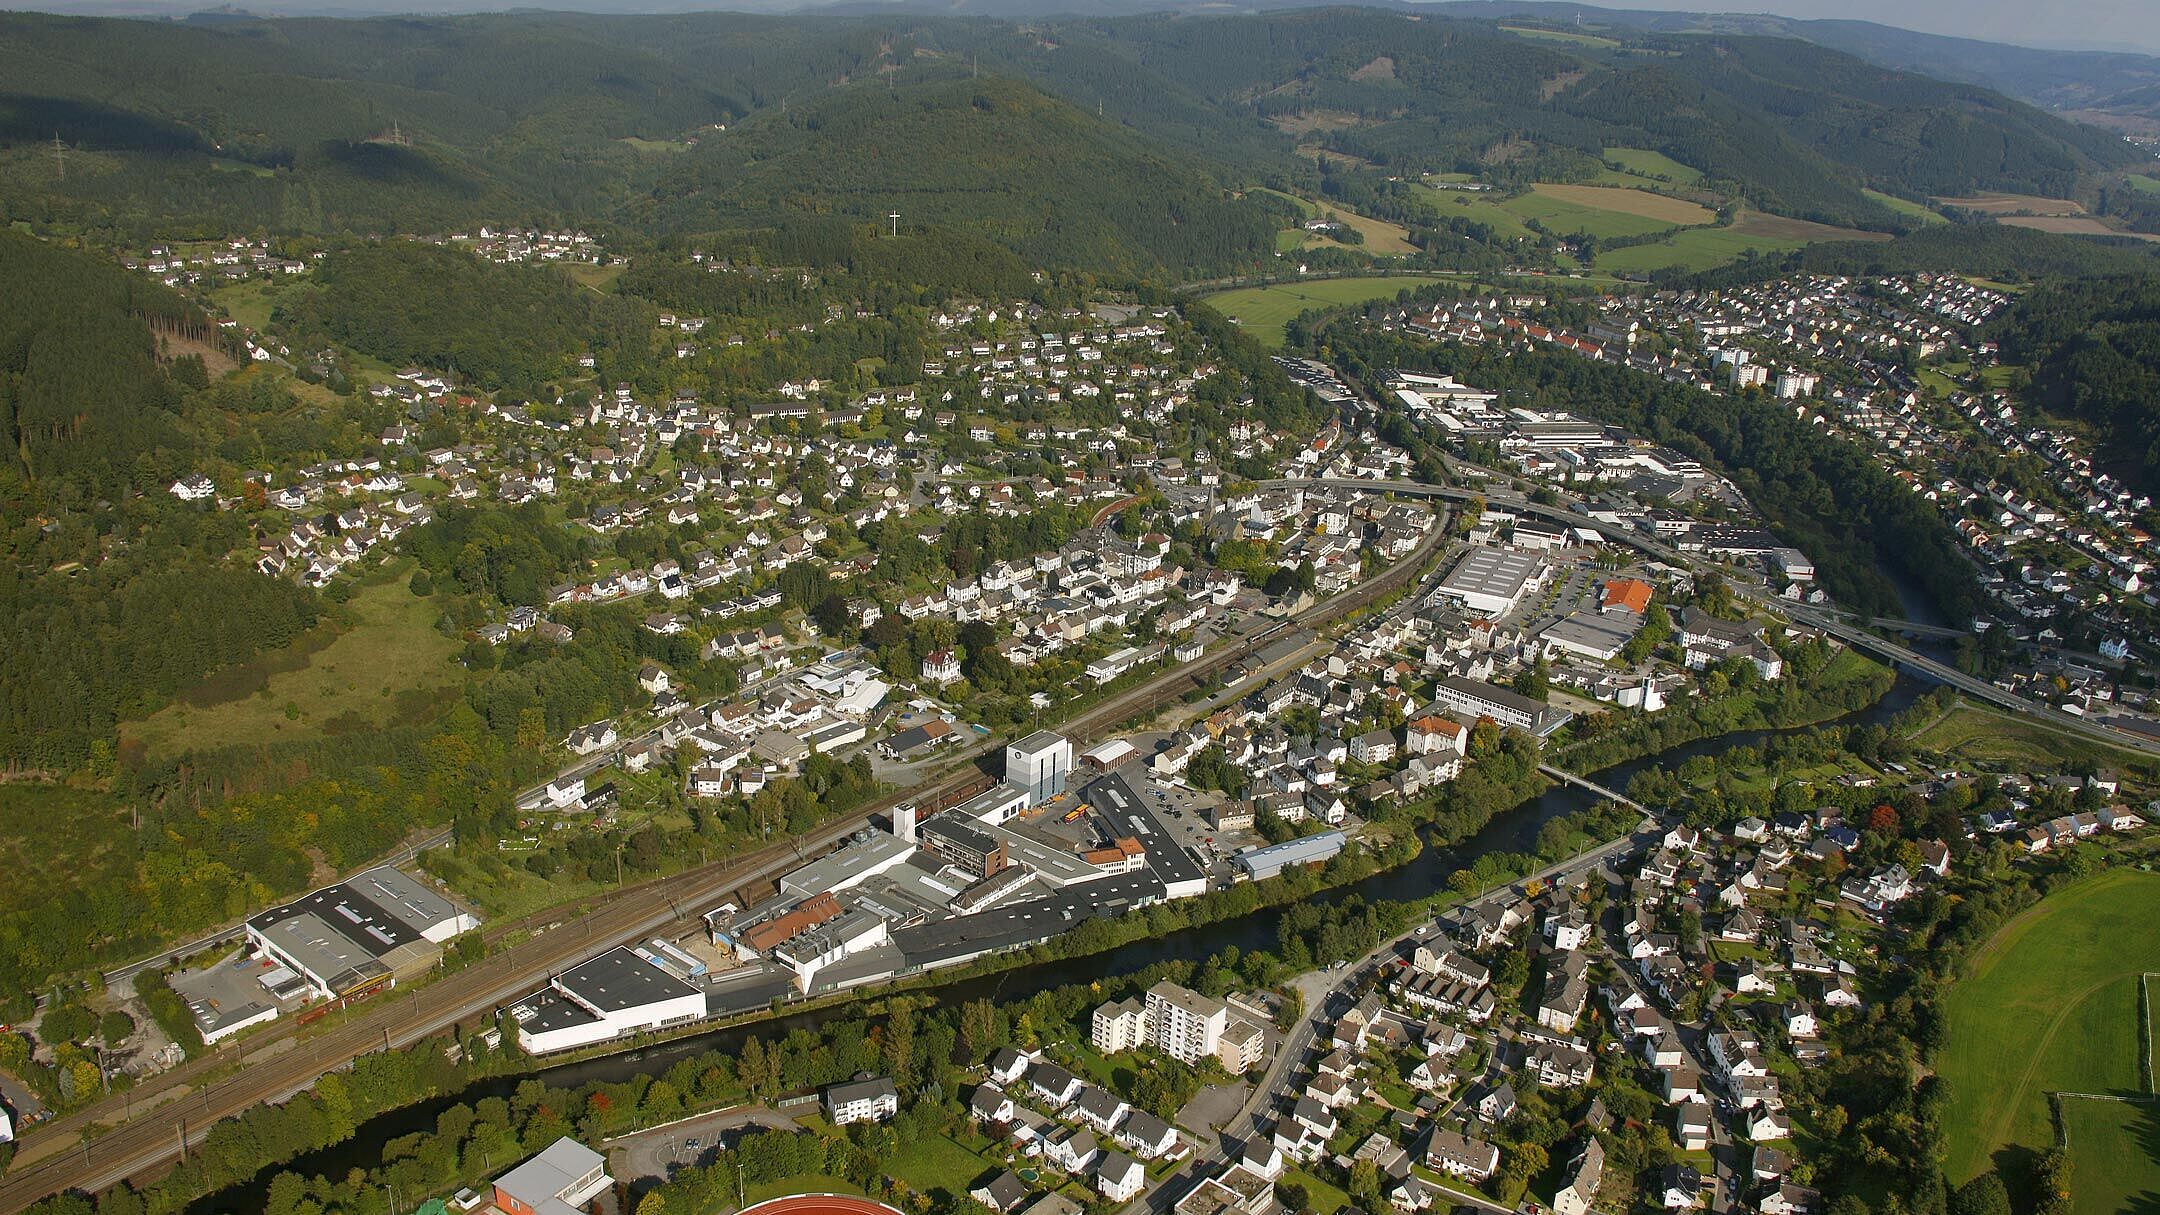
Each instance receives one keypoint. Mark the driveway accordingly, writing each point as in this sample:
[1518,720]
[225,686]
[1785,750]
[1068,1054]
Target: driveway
[647,1156]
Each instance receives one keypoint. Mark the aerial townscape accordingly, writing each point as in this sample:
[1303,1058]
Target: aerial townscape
[1120,608]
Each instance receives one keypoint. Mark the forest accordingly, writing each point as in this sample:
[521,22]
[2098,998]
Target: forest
[1103,145]
[2094,347]
[506,328]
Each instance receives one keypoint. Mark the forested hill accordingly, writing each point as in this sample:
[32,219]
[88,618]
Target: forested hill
[112,594]
[82,397]
[2094,345]
[992,156]
[1104,144]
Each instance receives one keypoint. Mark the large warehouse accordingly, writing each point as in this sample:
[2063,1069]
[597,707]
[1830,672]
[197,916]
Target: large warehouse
[618,993]
[1492,581]
[359,933]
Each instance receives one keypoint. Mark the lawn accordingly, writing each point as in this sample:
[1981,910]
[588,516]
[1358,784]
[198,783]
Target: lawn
[378,659]
[1321,1198]
[2049,1004]
[941,1163]
[808,1183]
[1263,311]
[1654,165]
[2114,1157]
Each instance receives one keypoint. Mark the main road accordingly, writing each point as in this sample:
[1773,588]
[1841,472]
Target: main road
[1828,623]
[144,1129]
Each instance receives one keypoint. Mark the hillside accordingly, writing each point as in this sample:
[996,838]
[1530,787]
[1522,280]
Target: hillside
[1099,144]
[993,157]
[2094,345]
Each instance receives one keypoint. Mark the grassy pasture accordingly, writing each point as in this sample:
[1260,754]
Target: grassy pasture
[2048,1005]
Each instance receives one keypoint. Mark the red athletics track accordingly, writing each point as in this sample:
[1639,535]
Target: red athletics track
[819,1204]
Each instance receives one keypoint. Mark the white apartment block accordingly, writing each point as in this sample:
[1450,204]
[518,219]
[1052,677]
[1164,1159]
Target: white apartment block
[1184,1024]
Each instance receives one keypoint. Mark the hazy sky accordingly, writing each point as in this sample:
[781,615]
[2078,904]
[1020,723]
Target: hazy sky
[2123,25]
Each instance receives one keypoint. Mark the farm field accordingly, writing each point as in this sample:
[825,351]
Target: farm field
[1381,238]
[1642,162]
[1568,36]
[2114,1157]
[1603,211]
[381,659]
[1598,211]
[1906,206]
[2148,185]
[2009,204]
[1702,248]
[1263,311]
[2050,1004]
[2070,225]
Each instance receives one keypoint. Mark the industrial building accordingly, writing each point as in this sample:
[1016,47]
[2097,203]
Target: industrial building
[1492,581]
[618,993]
[1260,864]
[1040,764]
[359,934]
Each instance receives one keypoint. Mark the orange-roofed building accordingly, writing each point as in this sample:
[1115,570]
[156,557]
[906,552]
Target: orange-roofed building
[1627,593]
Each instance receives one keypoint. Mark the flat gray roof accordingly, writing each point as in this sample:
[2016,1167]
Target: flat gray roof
[619,980]
[1491,571]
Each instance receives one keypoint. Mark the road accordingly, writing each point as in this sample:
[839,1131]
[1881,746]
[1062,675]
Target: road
[55,1159]
[1828,623]
[1325,991]
[232,932]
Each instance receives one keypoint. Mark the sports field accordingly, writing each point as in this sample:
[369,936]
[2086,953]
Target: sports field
[2049,1005]
[1263,311]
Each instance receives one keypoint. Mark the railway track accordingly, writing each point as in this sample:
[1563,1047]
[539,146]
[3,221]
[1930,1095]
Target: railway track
[133,1145]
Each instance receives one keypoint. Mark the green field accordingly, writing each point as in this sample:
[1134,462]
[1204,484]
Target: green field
[247,302]
[1692,249]
[1642,162]
[2049,1005]
[1906,207]
[1481,208]
[2115,1157]
[1971,734]
[941,1163]
[1263,311]
[1605,211]
[379,660]
[2149,185]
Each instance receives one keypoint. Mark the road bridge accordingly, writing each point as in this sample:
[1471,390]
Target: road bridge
[1826,621]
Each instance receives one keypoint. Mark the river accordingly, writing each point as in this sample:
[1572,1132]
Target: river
[1513,830]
